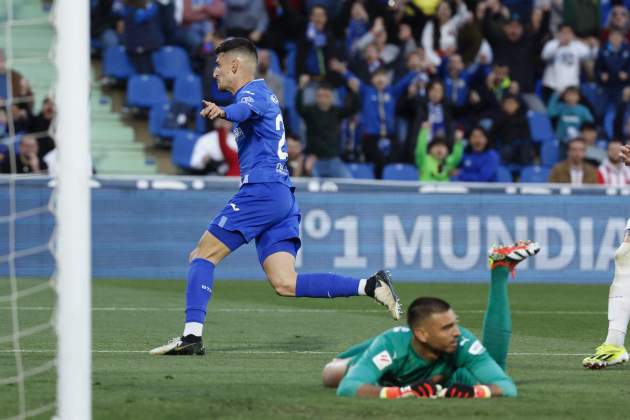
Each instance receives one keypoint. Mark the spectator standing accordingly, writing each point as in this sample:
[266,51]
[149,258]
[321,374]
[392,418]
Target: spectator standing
[617,20]
[563,56]
[612,67]
[480,162]
[323,121]
[439,37]
[508,36]
[198,20]
[574,170]
[433,159]
[613,171]
[142,34]
[246,18]
[317,47]
[378,106]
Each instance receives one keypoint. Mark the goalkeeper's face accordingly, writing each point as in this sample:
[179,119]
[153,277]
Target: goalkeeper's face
[439,332]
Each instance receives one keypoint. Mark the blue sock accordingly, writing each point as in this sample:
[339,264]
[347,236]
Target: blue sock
[326,285]
[199,289]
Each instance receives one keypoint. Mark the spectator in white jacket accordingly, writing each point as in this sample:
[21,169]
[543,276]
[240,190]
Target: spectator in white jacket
[439,36]
[612,171]
[563,56]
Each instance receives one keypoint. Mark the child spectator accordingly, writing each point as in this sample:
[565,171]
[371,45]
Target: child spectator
[433,159]
[574,170]
[378,106]
[563,56]
[612,66]
[612,171]
[569,112]
[439,37]
[594,154]
[511,133]
[323,121]
[480,162]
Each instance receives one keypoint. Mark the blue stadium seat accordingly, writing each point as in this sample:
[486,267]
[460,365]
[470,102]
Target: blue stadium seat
[183,147]
[362,170]
[188,90]
[169,62]
[533,173]
[549,153]
[595,96]
[540,127]
[609,122]
[157,117]
[400,172]
[504,174]
[145,91]
[116,64]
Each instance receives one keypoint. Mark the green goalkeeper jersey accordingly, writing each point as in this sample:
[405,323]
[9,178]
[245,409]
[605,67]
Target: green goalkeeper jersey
[389,360]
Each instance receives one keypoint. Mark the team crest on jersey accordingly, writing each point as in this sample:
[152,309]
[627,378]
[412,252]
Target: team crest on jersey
[382,360]
[274,99]
[476,348]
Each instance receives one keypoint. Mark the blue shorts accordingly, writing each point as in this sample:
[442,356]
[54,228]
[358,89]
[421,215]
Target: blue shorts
[267,212]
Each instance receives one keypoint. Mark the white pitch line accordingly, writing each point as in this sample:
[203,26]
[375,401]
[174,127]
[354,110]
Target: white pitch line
[290,310]
[263,352]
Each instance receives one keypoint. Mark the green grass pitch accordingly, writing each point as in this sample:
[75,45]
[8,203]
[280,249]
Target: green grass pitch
[265,354]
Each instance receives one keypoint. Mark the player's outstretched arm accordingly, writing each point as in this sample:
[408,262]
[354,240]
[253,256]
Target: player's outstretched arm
[238,112]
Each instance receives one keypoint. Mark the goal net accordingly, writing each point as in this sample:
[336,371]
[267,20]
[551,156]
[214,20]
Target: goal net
[44,285]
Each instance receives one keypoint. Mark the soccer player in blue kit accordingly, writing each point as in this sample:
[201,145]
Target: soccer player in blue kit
[264,208]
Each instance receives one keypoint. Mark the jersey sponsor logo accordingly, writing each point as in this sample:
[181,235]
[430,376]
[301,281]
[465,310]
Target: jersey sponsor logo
[274,99]
[247,100]
[476,348]
[206,288]
[281,168]
[238,133]
[234,207]
[382,360]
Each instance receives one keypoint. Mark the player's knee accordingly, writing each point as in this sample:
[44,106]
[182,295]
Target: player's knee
[283,284]
[331,375]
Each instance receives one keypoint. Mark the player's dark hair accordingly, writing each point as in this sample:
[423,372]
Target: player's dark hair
[241,45]
[423,307]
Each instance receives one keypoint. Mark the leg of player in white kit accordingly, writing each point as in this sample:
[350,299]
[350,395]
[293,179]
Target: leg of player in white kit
[613,352]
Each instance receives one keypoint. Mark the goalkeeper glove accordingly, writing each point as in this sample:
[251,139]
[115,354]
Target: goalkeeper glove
[421,389]
[466,391]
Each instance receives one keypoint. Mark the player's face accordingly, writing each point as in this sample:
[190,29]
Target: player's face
[439,332]
[222,72]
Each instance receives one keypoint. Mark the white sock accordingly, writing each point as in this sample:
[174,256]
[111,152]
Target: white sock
[619,297]
[362,287]
[194,328]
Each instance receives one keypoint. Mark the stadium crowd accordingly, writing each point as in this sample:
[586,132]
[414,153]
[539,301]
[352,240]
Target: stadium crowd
[20,124]
[467,90]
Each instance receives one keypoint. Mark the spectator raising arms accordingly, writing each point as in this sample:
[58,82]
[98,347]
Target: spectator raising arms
[439,37]
[433,159]
[563,56]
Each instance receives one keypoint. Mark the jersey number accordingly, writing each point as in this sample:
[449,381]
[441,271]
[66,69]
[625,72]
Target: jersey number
[280,126]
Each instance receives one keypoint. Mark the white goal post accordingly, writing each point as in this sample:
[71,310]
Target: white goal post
[72,53]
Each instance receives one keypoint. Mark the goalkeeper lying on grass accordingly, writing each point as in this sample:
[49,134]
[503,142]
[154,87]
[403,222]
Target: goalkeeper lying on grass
[434,356]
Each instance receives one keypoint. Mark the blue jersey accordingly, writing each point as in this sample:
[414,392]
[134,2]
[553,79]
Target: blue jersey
[262,147]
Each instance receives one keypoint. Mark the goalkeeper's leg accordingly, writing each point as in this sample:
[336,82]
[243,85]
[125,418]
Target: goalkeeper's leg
[497,322]
[613,352]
